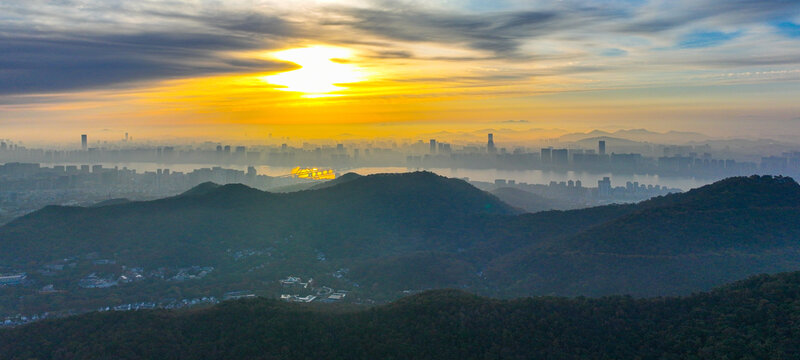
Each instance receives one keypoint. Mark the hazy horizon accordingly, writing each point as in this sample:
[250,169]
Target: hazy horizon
[511,137]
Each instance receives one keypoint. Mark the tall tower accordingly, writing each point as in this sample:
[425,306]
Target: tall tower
[84,142]
[433,146]
[601,147]
[547,155]
[490,144]
[604,186]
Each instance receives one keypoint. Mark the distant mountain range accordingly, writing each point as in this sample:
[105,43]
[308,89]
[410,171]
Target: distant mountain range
[756,318]
[625,140]
[639,135]
[382,236]
[529,201]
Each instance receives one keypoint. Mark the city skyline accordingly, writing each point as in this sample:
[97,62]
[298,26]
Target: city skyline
[243,70]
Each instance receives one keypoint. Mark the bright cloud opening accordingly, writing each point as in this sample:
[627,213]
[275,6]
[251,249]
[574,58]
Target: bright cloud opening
[323,70]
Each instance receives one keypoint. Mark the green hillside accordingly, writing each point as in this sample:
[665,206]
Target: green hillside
[752,319]
[367,215]
[670,245]
[383,236]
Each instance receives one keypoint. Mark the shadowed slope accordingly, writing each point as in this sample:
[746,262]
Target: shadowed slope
[207,219]
[750,319]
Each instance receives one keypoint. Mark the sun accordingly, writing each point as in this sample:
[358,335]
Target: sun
[323,70]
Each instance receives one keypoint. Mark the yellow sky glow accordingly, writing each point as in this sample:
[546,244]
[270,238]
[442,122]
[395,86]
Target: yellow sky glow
[319,68]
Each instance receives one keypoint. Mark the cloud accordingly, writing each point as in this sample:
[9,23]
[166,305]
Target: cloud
[661,16]
[499,33]
[514,121]
[613,52]
[51,52]
[392,54]
[707,39]
[36,64]
[50,47]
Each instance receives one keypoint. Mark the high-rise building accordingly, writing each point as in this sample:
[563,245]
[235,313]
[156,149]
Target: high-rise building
[560,156]
[84,142]
[433,146]
[604,186]
[547,156]
[601,147]
[490,144]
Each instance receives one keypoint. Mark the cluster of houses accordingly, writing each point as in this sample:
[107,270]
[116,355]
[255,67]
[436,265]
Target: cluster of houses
[322,294]
[20,319]
[298,298]
[246,253]
[94,281]
[236,295]
[192,273]
[23,319]
[131,274]
[169,304]
[13,279]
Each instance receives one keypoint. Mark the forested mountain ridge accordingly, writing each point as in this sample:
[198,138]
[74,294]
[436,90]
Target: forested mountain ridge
[531,202]
[741,191]
[695,240]
[383,236]
[751,319]
[756,212]
[210,217]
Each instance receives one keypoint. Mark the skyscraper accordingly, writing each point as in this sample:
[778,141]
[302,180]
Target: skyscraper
[604,186]
[84,142]
[490,144]
[547,155]
[601,147]
[560,156]
[433,146]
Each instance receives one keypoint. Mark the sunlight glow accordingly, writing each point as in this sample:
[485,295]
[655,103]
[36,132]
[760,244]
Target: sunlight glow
[323,70]
[313,173]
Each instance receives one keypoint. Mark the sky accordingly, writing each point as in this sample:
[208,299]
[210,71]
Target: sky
[249,70]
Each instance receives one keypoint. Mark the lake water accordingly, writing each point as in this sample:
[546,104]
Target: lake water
[488,175]
[545,177]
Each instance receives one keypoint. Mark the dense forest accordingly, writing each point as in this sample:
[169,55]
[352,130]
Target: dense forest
[753,319]
[382,236]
